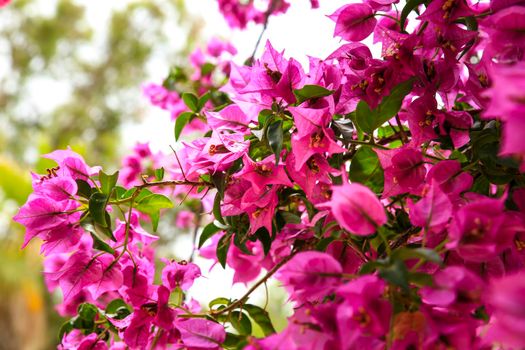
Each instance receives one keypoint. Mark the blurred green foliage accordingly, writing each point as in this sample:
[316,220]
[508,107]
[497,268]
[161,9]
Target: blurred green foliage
[64,82]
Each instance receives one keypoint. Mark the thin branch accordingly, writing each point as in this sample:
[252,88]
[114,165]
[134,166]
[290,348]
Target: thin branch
[267,14]
[243,299]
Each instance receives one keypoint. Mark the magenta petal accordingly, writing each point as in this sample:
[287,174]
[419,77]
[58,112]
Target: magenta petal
[200,333]
[433,209]
[357,209]
[354,22]
[438,297]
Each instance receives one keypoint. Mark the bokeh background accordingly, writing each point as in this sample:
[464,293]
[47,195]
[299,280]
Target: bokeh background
[70,75]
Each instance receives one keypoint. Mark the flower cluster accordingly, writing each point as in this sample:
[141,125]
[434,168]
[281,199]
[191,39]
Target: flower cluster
[387,195]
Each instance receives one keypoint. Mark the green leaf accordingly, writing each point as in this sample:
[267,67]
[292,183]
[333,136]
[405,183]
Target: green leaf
[114,305]
[241,322]
[222,249]
[263,116]
[240,240]
[345,127]
[323,243]
[218,301]
[221,225]
[263,235]
[155,217]
[396,273]
[370,267]
[153,203]
[99,244]
[234,341]
[159,174]
[274,134]
[366,169]
[87,311]
[406,253]
[368,120]
[208,231]
[191,101]
[117,309]
[97,208]
[289,218]
[410,5]
[311,91]
[219,182]
[118,192]
[261,317]
[83,189]
[92,227]
[421,279]
[365,117]
[107,182]
[181,122]
[207,68]
[203,99]
[65,329]
[130,192]
[217,209]
[481,314]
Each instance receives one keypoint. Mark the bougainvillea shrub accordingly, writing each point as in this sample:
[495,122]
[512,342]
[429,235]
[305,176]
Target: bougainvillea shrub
[386,194]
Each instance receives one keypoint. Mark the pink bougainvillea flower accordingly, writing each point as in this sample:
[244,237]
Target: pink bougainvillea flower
[505,34]
[354,22]
[507,102]
[165,315]
[4,3]
[71,164]
[455,124]
[198,333]
[454,287]
[381,5]
[165,99]
[77,341]
[270,78]
[448,328]
[308,120]
[321,141]
[507,324]
[135,232]
[421,118]
[246,267]
[309,276]
[111,279]
[230,118]
[356,55]
[315,170]
[137,333]
[434,209]
[239,13]
[260,208]
[211,154]
[451,179]
[446,11]
[58,188]
[364,311]
[263,173]
[179,274]
[217,47]
[185,219]
[482,229]
[137,286]
[404,170]
[80,270]
[356,209]
[39,214]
